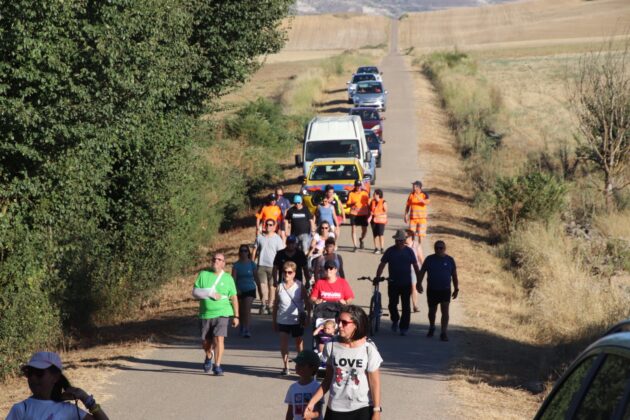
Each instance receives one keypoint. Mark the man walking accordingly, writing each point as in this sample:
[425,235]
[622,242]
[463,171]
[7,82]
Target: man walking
[400,259]
[441,270]
[216,292]
[359,203]
[290,253]
[300,223]
[265,249]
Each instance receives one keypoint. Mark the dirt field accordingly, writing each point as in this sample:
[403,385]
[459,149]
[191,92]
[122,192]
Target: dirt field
[538,23]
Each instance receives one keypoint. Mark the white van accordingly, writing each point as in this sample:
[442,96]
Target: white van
[336,137]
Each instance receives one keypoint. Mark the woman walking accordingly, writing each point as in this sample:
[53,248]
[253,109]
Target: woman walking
[416,210]
[246,279]
[352,371]
[378,219]
[331,288]
[52,393]
[326,213]
[290,313]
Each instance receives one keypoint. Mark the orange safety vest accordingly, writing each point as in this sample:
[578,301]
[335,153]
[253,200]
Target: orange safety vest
[379,216]
[359,203]
[418,205]
[270,212]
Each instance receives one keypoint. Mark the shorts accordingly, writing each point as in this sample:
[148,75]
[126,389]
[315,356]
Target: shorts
[214,327]
[358,220]
[435,297]
[378,229]
[294,331]
[419,226]
[265,274]
[363,413]
[249,293]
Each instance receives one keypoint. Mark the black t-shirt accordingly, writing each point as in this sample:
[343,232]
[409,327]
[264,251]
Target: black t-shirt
[299,258]
[300,220]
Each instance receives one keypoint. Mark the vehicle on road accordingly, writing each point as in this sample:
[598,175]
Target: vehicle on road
[340,173]
[376,306]
[370,94]
[370,118]
[371,70]
[375,144]
[597,384]
[339,137]
[356,78]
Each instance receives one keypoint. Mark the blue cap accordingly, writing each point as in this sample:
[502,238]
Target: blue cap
[297,199]
[292,238]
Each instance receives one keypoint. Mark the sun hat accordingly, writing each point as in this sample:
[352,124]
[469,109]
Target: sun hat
[44,360]
[330,264]
[307,357]
[297,199]
[400,235]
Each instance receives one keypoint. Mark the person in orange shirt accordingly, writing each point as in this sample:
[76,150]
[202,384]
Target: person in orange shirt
[378,219]
[416,210]
[270,211]
[358,201]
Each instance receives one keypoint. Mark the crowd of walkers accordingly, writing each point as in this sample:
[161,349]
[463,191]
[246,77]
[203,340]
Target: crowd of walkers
[295,267]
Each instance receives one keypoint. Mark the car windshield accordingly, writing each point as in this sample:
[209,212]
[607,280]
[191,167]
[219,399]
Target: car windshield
[369,87]
[366,114]
[345,172]
[372,140]
[332,149]
[369,69]
[362,78]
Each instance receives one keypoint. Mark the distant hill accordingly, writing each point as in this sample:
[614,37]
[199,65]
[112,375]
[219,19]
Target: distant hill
[392,8]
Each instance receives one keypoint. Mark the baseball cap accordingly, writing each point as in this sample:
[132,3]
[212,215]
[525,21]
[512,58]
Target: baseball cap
[291,238]
[307,357]
[44,360]
[357,183]
[297,199]
[271,196]
[330,264]
[418,183]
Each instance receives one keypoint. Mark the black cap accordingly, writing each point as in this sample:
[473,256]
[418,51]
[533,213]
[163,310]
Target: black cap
[292,239]
[271,197]
[330,264]
[357,183]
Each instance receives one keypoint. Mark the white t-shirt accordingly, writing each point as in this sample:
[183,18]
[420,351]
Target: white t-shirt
[290,303]
[299,395]
[34,409]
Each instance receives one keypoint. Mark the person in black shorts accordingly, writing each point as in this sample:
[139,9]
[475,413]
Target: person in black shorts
[441,270]
[290,253]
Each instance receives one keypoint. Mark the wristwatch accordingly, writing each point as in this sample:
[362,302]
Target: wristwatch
[378,409]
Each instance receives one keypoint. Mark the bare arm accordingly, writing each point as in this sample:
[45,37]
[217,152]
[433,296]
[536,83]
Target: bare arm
[420,277]
[455,283]
[322,390]
[379,270]
[274,312]
[234,302]
[341,273]
[289,415]
[374,381]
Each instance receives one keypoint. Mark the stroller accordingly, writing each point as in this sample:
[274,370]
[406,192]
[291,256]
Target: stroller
[325,311]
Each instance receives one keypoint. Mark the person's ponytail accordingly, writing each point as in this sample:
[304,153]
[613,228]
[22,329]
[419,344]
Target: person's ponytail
[60,386]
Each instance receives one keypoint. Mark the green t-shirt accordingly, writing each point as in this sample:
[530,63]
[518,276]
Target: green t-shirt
[210,308]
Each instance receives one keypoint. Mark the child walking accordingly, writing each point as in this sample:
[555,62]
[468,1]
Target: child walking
[300,392]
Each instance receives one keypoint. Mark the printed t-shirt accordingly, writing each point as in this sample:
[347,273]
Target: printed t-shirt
[399,262]
[283,203]
[32,408]
[211,308]
[270,212]
[267,246]
[332,292]
[300,220]
[299,258]
[358,201]
[299,395]
[349,389]
[418,205]
[245,281]
[440,271]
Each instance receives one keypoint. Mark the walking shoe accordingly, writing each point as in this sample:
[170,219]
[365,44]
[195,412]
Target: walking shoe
[382,251]
[207,365]
[267,310]
[395,326]
[375,251]
[285,372]
[361,245]
[416,309]
[246,334]
[403,332]
[216,369]
[431,332]
[261,311]
[355,249]
[443,337]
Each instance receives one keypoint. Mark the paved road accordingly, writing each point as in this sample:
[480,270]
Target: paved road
[169,382]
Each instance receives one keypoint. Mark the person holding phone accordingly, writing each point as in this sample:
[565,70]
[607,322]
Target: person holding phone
[52,393]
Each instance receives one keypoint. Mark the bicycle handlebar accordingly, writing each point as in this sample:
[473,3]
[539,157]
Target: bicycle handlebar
[375,279]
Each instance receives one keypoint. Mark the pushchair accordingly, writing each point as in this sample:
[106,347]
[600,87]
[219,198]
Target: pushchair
[325,311]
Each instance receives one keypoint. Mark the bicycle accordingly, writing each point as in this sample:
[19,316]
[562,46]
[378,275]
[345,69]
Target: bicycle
[376,307]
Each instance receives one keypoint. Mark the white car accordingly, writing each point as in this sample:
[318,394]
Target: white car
[372,70]
[357,78]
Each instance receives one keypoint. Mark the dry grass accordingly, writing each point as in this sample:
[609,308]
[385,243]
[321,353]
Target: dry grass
[614,225]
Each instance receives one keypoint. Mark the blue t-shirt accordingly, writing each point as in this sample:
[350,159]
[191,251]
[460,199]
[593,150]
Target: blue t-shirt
[245,276]
[439,271]
[284,204]
[399,262]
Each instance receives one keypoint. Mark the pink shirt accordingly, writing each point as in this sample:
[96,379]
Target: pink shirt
[332,292]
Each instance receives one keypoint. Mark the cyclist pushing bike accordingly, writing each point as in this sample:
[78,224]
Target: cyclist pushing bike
[400,259]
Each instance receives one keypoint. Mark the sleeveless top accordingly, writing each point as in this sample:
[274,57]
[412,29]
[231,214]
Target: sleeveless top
[245,276]
[326,214]
[290,303]
[379,216]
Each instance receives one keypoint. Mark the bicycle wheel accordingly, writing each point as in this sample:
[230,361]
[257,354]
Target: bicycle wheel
[372,317]
[378,312]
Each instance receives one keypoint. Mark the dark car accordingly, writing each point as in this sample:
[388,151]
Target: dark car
[370,118]
[597,384]
[371,69]
[374,142]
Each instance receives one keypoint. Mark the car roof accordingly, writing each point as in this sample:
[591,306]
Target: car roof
[336,161]
[334,128]
[363,108]
[619,327]
[367,67]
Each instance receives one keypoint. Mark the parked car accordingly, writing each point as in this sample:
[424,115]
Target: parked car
[375,144]
[340,173]
[371,94]
[597,384]
[356,78]
[371,70]
[370,118]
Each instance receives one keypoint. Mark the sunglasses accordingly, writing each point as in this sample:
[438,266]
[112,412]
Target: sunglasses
[29,371]
[345,322]
[289,271]
[270,224]
[331,268]
[325,227]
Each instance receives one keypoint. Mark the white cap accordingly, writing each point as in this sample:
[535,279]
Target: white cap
[44,360]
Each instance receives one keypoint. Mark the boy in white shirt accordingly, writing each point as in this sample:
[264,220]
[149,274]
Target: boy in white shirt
[300,392]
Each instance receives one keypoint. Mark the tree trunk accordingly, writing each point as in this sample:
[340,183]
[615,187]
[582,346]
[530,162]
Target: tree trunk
[608,193]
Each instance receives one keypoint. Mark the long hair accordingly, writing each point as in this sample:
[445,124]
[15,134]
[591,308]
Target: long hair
[60,386]
[360,320]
